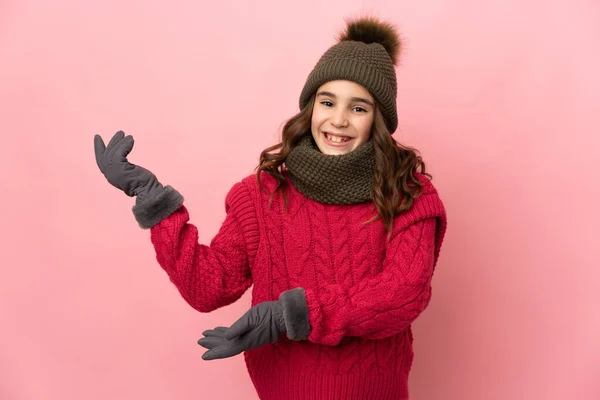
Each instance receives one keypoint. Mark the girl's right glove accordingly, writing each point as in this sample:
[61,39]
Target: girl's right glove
[112,161]
[153,201]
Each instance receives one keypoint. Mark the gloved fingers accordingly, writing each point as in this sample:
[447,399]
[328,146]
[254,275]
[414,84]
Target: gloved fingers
[124,148]
[213,337]
[219,331]
[113,148]
[230,349]
[99,150]
[99,146]
[115,139]
[212,342]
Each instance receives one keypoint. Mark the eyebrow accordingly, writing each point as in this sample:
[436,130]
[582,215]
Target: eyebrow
[359,99]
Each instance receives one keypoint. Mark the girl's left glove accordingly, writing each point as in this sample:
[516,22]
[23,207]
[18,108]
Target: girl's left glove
[261,325]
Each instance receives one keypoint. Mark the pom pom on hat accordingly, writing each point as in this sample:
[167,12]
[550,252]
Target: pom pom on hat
[373,30]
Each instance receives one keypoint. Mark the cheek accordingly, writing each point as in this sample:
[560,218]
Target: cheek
[365,129]
[313,121]
[314,116]
[316,120]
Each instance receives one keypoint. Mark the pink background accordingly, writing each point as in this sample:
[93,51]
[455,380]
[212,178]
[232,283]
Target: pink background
[501,98]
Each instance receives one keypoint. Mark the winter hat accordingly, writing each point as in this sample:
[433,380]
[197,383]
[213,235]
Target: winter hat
[366,53]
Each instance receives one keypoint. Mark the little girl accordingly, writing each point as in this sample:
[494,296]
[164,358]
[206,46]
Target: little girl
[338,233]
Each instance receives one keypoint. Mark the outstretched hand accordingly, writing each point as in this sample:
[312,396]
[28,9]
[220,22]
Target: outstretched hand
[118,171]
[262,324]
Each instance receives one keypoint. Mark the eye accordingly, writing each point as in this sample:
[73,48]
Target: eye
[327,103]
[360,109]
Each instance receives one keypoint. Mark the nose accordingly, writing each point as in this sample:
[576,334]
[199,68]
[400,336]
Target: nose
[339,118]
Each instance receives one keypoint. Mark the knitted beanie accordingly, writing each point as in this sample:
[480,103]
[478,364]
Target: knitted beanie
[366,53]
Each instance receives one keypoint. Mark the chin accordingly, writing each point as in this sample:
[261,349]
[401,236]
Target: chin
[333,152]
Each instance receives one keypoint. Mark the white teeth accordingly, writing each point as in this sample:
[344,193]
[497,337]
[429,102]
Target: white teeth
[336,139]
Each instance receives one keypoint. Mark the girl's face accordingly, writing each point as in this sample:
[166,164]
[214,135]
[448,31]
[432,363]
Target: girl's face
[342,117]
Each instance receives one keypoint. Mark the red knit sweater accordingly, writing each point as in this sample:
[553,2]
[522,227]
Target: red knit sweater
[363,293]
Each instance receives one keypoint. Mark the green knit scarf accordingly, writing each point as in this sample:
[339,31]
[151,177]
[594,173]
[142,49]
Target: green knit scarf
[332,179]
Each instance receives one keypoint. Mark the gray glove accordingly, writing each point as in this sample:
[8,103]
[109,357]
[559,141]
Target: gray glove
[261,325]
[153,201]
[112,161]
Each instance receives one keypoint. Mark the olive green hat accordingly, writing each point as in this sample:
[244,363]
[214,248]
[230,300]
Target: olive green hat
[366,53]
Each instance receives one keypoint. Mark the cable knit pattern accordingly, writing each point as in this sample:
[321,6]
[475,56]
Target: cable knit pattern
[362,291]
[402,291]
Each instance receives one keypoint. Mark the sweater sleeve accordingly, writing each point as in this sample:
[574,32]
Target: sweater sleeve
[210,276]
[386,304]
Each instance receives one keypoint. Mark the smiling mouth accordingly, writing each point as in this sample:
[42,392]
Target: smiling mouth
[335,138]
